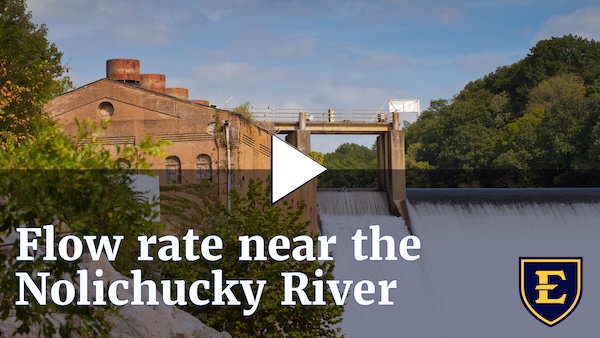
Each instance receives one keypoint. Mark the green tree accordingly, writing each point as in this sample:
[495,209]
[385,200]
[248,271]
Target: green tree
[554,89]
[565,135]
[528,122]
[317,156]
[350,166]
[47,177]
[515,149]
[556,56]
[427,131]
[30,68]
[594,154]
[251,214]
[417,171]
[78,187]
[568,54]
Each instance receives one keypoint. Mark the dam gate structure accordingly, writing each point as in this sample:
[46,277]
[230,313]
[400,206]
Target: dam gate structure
[299,126]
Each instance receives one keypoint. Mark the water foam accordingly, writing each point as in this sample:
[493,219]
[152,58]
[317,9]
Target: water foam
[466,283]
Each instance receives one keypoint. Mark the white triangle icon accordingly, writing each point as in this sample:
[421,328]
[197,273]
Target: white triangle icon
[290,169]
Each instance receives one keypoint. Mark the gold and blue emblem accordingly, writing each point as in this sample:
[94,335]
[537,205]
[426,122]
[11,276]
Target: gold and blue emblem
[550,287]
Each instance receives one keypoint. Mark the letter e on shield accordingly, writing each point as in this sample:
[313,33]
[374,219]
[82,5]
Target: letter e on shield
[550,287]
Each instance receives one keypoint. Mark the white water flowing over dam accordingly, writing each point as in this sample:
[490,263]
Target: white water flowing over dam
[466,282]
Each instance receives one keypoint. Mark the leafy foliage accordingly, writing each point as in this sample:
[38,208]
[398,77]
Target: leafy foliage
[249,215]
[30,68]
[350,166]
[244,111]
[78,187]
[529,124]
[47,177]
[554,89]
[317,156]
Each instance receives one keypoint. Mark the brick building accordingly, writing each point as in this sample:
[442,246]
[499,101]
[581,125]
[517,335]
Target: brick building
[140,105]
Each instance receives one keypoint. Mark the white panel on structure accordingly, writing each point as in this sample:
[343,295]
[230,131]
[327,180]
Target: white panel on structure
[404,106]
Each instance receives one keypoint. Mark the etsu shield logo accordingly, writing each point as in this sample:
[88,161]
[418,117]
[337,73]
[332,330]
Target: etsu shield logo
[550,287]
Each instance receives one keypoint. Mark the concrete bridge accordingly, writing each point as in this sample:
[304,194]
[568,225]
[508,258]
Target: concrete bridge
[321,121]
[299,125]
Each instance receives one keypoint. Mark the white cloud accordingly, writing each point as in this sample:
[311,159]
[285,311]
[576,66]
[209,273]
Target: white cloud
[58,9]
[583,22]
[262,86]
[134,23]
[155,33]
[238,73]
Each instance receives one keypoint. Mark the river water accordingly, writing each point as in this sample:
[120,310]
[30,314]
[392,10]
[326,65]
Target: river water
[466,282]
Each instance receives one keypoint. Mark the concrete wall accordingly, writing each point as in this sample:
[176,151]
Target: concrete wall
[301,140]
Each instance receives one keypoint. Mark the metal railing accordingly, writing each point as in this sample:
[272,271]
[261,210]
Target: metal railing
[289,115]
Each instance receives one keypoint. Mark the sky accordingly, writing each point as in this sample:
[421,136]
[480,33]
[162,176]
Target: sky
[302,54]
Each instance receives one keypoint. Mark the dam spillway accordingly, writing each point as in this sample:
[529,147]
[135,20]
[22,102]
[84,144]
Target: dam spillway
[466,282]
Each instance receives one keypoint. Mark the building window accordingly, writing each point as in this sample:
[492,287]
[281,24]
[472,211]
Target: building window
[203,168]
[173,170]
[106,110]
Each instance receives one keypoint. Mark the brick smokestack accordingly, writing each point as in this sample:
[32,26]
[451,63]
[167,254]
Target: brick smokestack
[154,82]
[181,93]
[125,70]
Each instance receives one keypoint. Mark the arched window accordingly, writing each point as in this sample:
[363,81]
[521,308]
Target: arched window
[203,168]
[173,170]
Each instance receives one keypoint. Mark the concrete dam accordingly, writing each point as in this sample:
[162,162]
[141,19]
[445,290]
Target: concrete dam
[466,281]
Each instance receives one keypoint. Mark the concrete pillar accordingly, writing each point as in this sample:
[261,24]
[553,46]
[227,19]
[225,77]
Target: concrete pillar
[396,121]
[302,121]
[392,175]
[380,162]
[386,162]
[397,176]
[308,192]
[299,139]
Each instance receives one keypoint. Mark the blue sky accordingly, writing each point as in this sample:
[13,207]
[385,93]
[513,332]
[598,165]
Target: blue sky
[303,54]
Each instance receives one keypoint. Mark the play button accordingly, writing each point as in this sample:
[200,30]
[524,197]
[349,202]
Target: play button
[290,169]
